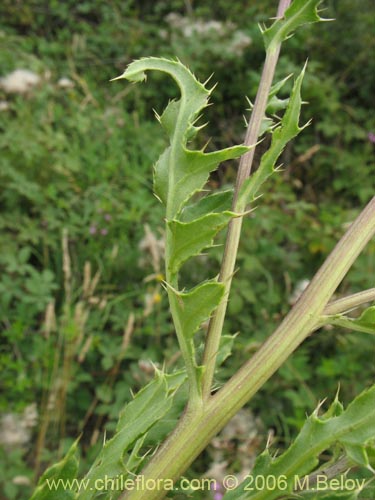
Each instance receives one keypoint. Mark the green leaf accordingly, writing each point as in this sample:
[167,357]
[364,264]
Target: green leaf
[365,323]
[357,454]
[367,318]
[190,238]
[190,309]
[276,87]
[225,348]
[213,203]
[196,306]
[299,13]
[180,172]
[276,104]
[351,429]
[331,495]
[121,451]
[57,482]
[285,132]
[166,424]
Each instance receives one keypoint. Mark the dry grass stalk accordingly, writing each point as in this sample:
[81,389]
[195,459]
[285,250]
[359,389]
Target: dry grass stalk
[67,267]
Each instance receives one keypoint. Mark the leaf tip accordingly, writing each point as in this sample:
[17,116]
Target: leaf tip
[117,78]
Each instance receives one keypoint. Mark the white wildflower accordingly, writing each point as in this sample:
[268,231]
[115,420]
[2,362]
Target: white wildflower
[21,481]
[65,83]
[15,429]
[30,416]
[163,34]
[215,26]
[4,105]
[19,81]
[174,20]
[239,42]
[232,41]
[188,30]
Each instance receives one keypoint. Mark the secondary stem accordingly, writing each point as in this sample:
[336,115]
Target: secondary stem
[234,231]
[350,302]
[301,320]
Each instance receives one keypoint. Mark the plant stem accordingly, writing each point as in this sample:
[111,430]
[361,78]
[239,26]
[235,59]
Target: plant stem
[303,317]
[234,231]
[186,346]
[351,302]
[196,429]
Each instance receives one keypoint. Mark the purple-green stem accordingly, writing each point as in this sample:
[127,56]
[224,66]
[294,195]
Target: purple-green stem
[351,302]
[216,323]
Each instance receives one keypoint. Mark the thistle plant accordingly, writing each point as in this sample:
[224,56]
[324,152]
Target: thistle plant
[193,217]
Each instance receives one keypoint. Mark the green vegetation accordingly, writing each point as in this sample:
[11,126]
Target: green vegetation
[83,314]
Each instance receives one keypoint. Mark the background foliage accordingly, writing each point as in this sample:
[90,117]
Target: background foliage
[82,311]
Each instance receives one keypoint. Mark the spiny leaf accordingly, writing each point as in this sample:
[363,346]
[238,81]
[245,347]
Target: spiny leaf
[159,431]
[136,457]
[299,13]
[148,406]
[276,104]
[165,425]
[281,135]
[192,91]
[196,306]
[351,429]
[179,172]
[190,238]
[65,471]
[213,203]
[194,169]
[169,117]
[276,87]
[225,348]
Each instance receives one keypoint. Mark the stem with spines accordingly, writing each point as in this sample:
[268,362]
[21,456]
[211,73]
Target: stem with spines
[234,231]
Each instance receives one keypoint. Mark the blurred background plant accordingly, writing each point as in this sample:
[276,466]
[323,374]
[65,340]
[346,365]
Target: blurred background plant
[82,310]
